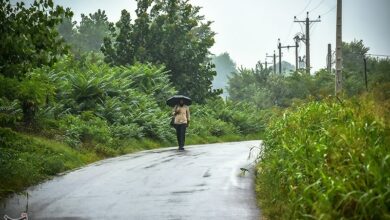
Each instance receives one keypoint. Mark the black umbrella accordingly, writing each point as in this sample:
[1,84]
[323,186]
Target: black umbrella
[174,100]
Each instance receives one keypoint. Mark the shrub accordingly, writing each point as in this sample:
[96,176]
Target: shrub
[10,112]
[85,128]
[25,160]
[327,160]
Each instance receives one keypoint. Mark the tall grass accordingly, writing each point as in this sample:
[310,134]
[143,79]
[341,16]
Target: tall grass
[327,160]
[26,160]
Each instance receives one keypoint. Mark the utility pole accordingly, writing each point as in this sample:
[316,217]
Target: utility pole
[296,38]
[329,58]
[265,63]
[307,22]
[280,56]
[274,60]
[339,61]
[365,72]
[288,47]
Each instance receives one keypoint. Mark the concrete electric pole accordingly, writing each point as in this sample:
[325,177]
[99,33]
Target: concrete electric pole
[280,56]
[339,61]
[296,38]
[329,58]
[274,60]
[307,22]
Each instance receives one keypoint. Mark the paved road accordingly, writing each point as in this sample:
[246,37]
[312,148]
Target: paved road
[203,182]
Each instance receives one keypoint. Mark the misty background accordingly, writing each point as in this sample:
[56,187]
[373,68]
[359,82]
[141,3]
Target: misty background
[249,29]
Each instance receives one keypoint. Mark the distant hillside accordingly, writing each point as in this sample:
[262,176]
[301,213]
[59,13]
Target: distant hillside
[224,66]
[286,67]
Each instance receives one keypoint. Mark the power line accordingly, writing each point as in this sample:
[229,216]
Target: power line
[319,4]
[333,8]
[289,31]
[305,7]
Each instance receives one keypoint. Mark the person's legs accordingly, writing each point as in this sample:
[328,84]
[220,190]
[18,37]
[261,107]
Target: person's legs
[182,135]
[177,127]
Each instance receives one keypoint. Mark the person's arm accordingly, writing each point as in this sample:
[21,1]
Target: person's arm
[174,110]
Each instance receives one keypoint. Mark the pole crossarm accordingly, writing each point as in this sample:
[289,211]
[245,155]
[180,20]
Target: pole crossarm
[307,23]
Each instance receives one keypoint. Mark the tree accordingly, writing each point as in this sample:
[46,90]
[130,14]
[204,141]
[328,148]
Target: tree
[67,30]
[29,37]
[92,30]
[172,33]
[353,66]
[121,50]
[224,66]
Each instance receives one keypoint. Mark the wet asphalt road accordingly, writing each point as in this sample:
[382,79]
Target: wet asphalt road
[203,182]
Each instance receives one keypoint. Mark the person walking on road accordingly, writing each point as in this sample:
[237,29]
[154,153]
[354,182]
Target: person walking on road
[181,114]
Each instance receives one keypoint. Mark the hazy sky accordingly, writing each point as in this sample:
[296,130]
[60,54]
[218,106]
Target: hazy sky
[248,29]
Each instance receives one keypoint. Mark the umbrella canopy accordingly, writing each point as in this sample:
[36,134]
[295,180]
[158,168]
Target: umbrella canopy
[174,100]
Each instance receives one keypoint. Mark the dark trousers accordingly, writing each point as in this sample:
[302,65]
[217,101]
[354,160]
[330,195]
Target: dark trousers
[181,134]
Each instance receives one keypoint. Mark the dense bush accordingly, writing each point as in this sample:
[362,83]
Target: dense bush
[328,160]
[265,89]
[25,160]
[218,117]
[87,102]
[96,102]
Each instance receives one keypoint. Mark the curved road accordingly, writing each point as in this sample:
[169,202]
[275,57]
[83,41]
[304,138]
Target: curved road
[203,182]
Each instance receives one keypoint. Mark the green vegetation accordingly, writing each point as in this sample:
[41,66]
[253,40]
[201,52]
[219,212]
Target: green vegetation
[172,33]
[224,66]
[28,38]
[26,160]
[324,157]
[64,104]
[94,111]
[265,89]
[73,94]
[89,34]
[328,160]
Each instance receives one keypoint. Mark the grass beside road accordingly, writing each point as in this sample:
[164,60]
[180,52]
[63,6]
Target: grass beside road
[327,160]
[27,159]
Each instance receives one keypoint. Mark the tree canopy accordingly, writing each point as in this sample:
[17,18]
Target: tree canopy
[172,33]
[28,36]
[224,66]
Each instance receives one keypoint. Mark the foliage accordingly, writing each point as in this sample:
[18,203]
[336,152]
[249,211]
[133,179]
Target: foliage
[327,160]
[171,33]
[25,160]
[28,36]
[224,66]
[219,118]
[10,112]
[124,98]
[265,89]
[89,34]
[104,105]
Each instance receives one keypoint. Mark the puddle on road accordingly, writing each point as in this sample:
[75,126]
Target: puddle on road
[207,173]
[188,191]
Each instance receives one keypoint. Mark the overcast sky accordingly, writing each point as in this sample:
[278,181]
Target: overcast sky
[248,29]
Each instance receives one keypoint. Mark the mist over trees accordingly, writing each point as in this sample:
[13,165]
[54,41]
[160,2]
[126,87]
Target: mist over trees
[287,68]
[171,33]
[89,34]
[224,66]
[266,89]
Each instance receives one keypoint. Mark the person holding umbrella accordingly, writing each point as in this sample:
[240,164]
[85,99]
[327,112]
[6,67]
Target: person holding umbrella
[181,116]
